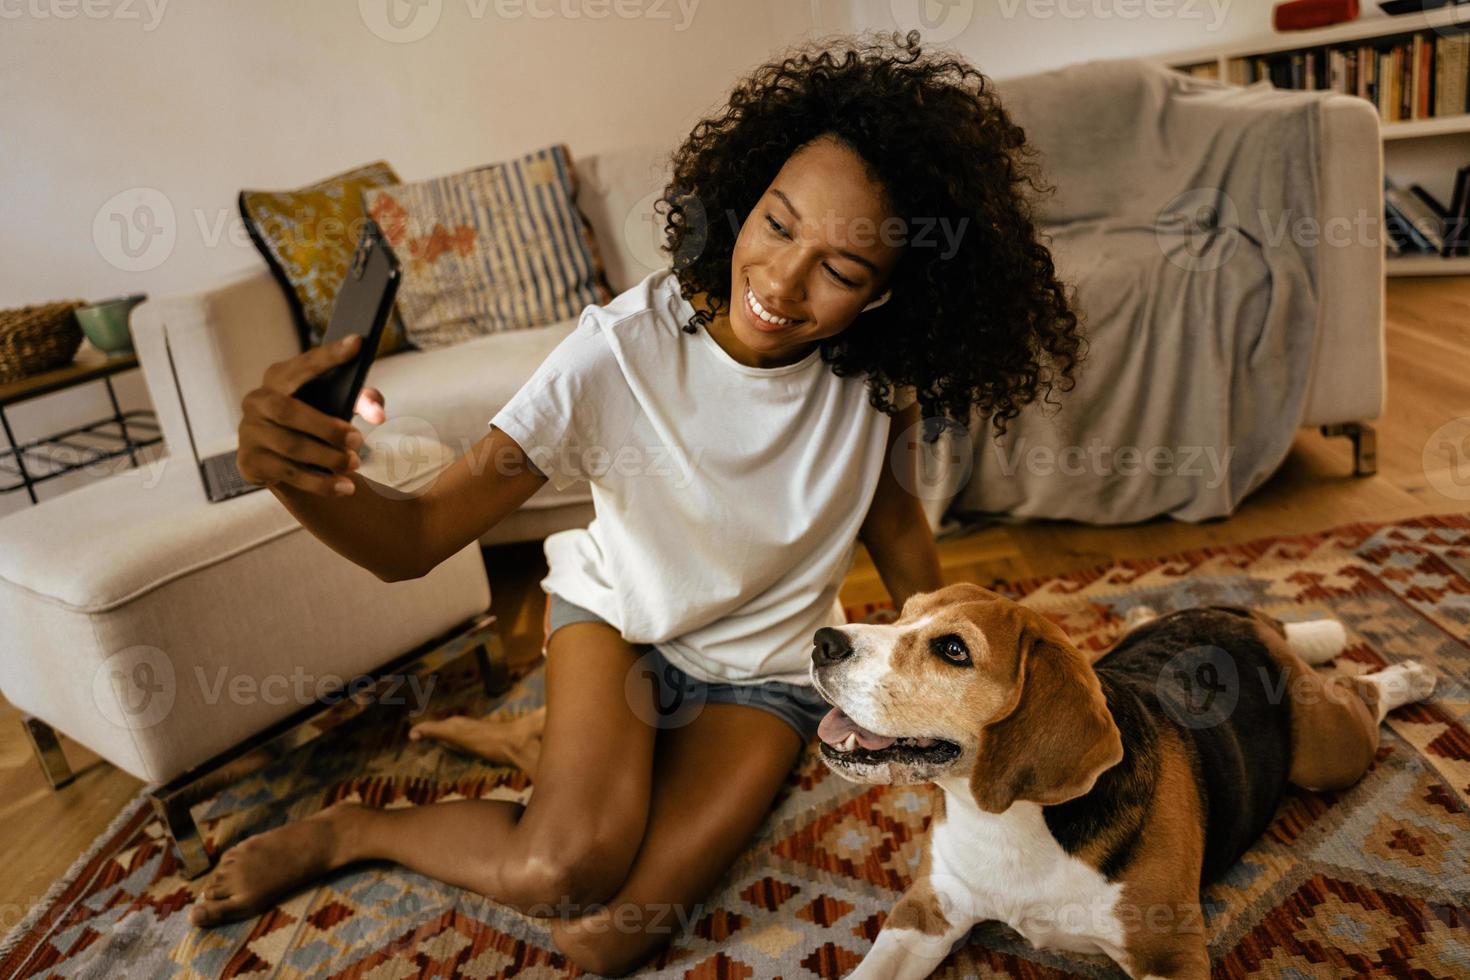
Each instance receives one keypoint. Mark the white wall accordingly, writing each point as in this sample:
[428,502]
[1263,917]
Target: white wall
[179,105]
[1015,37]
[110,103]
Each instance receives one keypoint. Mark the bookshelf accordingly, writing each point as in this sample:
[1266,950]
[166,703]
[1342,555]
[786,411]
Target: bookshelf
[1425,151]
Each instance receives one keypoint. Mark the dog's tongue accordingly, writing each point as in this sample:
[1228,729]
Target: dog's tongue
[836,726]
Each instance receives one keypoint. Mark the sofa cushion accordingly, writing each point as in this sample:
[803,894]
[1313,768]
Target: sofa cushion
[145,527]
[455,391]
[617,192]
[497,248]
[307,238]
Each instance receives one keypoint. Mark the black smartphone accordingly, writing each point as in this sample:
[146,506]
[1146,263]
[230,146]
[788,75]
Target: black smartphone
[364,303]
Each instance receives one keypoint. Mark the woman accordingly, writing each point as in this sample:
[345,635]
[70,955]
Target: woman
[851,225]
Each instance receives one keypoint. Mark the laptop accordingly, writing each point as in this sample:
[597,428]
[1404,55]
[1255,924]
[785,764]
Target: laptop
[222,479]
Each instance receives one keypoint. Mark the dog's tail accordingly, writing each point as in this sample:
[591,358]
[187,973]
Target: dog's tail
[1317,640]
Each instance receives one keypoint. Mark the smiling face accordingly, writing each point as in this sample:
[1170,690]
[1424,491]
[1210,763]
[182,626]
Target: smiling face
[928,682]
[965,683]
[815,249]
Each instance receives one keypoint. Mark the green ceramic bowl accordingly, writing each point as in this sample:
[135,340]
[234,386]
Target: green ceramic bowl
[106,323]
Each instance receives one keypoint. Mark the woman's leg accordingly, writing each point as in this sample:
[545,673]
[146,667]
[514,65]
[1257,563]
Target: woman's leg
[572,843]
[516,742]
[714,781]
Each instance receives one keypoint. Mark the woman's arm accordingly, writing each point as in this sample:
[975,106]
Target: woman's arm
[895,530]
[475,493]
[396,535]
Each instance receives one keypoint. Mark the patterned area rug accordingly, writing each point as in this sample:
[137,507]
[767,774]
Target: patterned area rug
[1375,880]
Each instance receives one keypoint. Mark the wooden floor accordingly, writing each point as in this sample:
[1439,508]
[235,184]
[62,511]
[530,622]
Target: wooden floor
[1428,338]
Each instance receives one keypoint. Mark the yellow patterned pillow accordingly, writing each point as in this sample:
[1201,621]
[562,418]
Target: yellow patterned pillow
[307,237]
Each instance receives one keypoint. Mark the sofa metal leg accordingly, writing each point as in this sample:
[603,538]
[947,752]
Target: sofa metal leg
[175,812]
[48,752]
[1365,444]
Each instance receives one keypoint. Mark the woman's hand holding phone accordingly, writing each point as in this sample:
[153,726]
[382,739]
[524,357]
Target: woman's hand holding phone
[281,436]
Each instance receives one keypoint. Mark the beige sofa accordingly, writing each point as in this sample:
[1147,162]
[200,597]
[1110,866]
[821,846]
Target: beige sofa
[224,338]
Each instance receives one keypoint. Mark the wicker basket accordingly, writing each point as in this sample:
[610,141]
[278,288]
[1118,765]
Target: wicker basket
[38,338]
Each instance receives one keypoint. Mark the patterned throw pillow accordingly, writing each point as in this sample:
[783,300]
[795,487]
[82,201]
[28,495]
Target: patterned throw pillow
[497,248]
[307,237]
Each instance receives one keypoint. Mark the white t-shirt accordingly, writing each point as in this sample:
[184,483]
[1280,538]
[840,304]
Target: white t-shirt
[728,498]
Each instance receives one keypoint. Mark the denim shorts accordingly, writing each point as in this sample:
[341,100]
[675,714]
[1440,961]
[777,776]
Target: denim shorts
[678,698]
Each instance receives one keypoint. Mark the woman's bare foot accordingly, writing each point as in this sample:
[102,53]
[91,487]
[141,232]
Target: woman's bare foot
[255,872]
[516,742]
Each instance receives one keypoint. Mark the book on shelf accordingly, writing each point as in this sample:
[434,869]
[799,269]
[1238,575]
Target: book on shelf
[1457,215]
[1407,75]
[1416,222]
[1425,228]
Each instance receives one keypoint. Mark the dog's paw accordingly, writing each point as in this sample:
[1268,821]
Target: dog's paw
[1413,680]
[1401,684]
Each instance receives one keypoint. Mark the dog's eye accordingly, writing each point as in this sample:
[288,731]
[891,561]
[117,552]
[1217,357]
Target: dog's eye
[951,648]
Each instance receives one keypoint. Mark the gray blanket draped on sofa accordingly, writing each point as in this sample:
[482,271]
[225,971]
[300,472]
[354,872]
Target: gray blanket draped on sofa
[1184,214]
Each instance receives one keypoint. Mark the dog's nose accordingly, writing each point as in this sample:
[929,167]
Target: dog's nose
[829,646]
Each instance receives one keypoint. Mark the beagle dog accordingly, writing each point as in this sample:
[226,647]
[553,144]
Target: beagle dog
[1085,804]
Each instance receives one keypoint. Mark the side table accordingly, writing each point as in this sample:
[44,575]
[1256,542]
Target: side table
[135,430]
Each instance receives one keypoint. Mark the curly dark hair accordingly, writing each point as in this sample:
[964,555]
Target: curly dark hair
[984,330]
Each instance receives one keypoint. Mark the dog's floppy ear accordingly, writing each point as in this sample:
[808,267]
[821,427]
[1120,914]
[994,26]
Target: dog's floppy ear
[1059,737]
